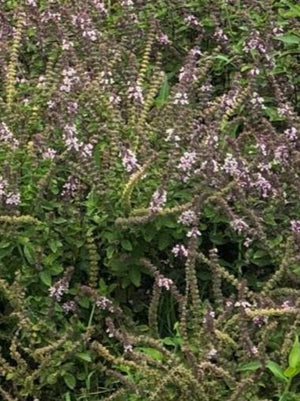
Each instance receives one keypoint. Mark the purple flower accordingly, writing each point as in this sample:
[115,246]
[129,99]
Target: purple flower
[187,161]
[70,78]
[220,35]
[164,282]
[239,225]
[291,133]
[193,233]
[163,39]
[254,43]
[135,92]
[181,98]
[260,320]
[13,198]
[187,218]
[70,137]
[295,226]
[263,185]
[66,44]
[114,99]
[179,251]
[3,185]
[58,290]
[7,137]
[86,150]
[70,188]
[212,353]
[171,137]
[49,153]
[129,160]
[286,304]
[127,3]
[69,306]
[106,78]
[104,303]
[257,100]
[254,350]
[158,200]
[128,348]
[284,110]
[281,154]
[192,20]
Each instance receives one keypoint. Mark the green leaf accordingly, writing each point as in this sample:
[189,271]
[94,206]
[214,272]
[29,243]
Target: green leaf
[289,39]
[276,370]
[291,372]
[110,251]
[29,253]
[294,356]
[135,275]
[70,380]
[45,276]
[164,241]
[154,353]
[163,93]
[223,58]
[126,245]
[84,356]
[251,366]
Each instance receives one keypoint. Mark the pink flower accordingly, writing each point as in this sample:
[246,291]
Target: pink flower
[49,153]
[181,98]
[179,251]
[187,218]
[194,233]
[13,198]
[135,92]
[163,39]
[158,200]
[129,160]
[192,20]
[164,282]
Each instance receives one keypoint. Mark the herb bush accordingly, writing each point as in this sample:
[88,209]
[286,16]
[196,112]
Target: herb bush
[150,216]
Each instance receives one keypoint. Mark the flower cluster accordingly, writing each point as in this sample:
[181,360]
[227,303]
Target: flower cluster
[158,200]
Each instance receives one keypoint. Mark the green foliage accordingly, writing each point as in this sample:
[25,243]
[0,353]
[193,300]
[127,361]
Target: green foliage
[149,196]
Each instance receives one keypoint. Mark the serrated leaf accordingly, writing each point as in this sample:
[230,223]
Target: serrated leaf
[276,370]
[70,380]
[294,355]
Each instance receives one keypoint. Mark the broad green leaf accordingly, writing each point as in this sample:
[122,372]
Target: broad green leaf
[294,356]
[29,253]
[45,276]
[70,380]
[276,370]
[289,39]
[154,353]
[290,372]
[126,245]
[84,356]
[135,275]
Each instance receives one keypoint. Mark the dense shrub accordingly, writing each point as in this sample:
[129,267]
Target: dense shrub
[150,216]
